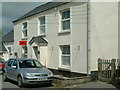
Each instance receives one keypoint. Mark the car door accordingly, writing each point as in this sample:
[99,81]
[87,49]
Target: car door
[8,68]
[14,70]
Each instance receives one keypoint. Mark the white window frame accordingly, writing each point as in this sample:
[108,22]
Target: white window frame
[24,30]
[23,51]
[62,55]
[61,21]
[41,25]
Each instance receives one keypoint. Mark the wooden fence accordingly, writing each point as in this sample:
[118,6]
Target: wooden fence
[109,70]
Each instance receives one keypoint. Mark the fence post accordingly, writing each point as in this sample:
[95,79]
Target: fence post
[113,70]
[99,68]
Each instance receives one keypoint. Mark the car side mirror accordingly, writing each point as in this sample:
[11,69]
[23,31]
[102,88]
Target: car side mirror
[14,67]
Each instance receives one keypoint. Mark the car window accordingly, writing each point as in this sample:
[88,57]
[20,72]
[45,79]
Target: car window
[10,62]
[14,63]
[29,64]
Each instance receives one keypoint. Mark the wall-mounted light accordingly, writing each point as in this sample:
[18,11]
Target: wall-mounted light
[78,47]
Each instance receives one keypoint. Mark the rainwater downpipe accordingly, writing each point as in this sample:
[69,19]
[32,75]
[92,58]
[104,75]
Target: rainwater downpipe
[88,40]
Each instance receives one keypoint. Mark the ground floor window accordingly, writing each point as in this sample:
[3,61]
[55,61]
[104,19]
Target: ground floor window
[65,55]
[24,52]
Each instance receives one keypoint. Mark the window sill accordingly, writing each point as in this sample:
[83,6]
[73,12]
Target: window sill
[44,35]
[24,29]
[64,68]
[64,32]
[24,38]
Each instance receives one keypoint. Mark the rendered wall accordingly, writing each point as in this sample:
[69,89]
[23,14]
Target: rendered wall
[104,31]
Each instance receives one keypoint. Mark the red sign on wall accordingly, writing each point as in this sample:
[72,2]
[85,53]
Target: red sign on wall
[22,42]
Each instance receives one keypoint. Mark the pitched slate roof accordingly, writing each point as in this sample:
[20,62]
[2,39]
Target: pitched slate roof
[39,40]
[2,47]
[9,37]
[41,8]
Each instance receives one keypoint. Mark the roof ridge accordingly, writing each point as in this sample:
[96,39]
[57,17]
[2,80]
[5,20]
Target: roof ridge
[39,9]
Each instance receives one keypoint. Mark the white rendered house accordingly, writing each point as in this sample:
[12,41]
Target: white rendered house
[68,36]
[8,43]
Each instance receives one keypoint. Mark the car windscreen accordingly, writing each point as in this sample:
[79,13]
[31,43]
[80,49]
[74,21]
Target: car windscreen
[29,64]
[2,60]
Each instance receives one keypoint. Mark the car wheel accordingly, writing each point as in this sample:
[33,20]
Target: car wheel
[5,76]
[20,81]
[49,83]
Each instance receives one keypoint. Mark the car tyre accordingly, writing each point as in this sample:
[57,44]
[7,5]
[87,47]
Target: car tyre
[20,81]
[49,83]
[5,76]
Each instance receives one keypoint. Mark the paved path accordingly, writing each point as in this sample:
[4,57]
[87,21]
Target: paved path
[96,84]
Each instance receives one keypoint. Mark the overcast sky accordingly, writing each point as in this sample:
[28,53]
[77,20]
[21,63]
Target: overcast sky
[13,10]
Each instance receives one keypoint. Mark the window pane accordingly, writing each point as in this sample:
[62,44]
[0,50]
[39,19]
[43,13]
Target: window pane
[42,20]
[65,24]
[66,14]
[42,29]
[66,50]
[25,50]
[66,60]
[10,62]
[24,54]
[24,25]
[15,63]
[25,33]
[29,64]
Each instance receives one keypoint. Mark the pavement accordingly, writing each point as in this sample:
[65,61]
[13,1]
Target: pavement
[94,84]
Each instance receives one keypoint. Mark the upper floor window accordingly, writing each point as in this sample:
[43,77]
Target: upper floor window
[42,25]
[65,19]
[25,25]
[24,29]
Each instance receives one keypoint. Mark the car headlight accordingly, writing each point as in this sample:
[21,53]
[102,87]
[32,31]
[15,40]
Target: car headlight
[29,75]
[50,74]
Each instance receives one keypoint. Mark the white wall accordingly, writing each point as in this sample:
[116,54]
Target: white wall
[17,38]
[79,38]
[43,55]
[104,31]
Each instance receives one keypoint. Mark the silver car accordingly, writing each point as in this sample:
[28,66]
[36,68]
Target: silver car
[27,71]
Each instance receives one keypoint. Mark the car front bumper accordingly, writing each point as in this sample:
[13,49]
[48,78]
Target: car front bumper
[37,80]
